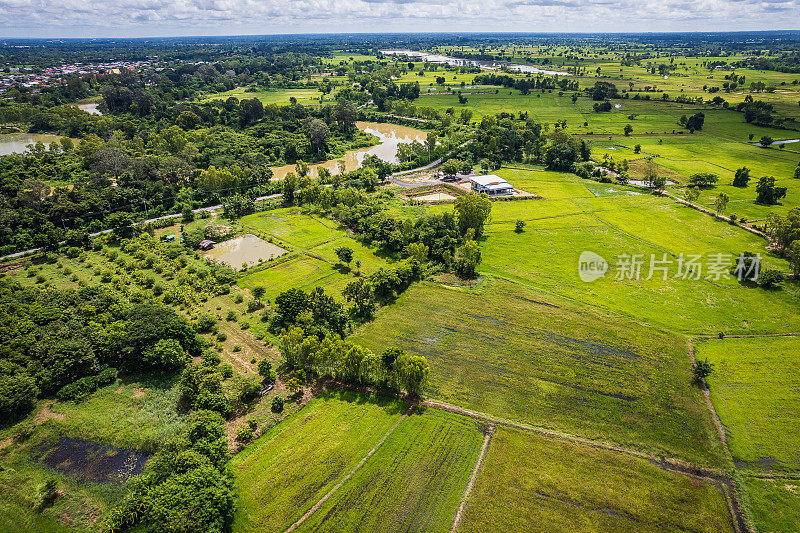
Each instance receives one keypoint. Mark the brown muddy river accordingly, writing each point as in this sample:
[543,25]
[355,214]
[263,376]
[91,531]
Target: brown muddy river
[390,136]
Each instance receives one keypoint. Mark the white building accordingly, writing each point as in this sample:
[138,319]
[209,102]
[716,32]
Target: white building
[492,185]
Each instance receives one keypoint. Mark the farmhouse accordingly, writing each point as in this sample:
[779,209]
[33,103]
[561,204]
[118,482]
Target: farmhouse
[491,185]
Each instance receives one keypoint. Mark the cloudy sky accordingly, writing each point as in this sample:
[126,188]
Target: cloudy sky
[145,18]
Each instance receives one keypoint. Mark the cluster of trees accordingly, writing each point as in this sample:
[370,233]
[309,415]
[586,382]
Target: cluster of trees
[331,357]
[186,486]
[51,339]
[526,85]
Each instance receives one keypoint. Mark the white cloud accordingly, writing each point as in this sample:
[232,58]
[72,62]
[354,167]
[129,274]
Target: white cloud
[110,18]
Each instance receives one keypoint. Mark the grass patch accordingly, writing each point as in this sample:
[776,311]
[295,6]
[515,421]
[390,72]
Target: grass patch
[287,470]
[775,504]
[518,354]
[756,392]
[414,482]
[531,483]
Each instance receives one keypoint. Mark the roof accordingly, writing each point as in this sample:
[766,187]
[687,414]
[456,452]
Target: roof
[498,186]
[489,179]
[205,242]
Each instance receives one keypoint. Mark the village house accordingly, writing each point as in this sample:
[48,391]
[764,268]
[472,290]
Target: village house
[492,185]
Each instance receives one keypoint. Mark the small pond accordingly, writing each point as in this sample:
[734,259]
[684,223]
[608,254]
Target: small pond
[92,461]
[16,143]
[90,108]
[248,249]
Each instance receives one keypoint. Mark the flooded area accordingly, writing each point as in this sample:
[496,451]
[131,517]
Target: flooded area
[390,136]
[16,143]
[92,461]
[489,65]
[248,249]
[90,108]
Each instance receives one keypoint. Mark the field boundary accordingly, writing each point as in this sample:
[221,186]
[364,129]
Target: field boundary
[717,476]
[350,474]
[475,471]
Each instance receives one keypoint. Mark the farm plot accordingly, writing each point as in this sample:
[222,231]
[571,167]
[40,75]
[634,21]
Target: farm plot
[414,482]
[775,504]
[532,483]
[286,471]
[547,258]
[518,354]
[755,389]
[304,272]
[292,226]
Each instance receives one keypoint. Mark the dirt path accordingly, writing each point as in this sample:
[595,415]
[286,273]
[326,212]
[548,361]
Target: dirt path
[714,475]
[350,474]
[475,471]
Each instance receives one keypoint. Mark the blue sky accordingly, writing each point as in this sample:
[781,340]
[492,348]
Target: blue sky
[150,18]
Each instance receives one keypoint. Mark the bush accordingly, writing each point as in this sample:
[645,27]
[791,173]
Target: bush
[78,390]
[244,434]
[277,404]
[231,316]
[770,279]
[519,226]
[701,370]
[265,368]
[248,389]
[106,376]
[222,336]
[226,370]
[237,348]
[206,323]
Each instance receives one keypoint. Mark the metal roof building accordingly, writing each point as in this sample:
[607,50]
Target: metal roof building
[491,185]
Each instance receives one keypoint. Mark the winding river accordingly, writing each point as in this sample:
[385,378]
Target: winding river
[488,65]
[390,136]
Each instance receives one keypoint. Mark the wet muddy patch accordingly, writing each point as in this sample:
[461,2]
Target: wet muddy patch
[91,461]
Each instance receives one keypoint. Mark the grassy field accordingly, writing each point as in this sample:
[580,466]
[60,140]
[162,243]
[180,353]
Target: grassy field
[775,504]
[315,265]
[414,482]
[288,469]
[571,219]
[519,354]
[276,96]
[529,483]
[756,392]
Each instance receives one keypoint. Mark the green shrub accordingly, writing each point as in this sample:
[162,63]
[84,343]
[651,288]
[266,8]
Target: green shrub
[244,434]
[277,404]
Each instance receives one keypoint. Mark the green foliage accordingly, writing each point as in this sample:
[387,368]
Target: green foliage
[185,487]
[277,404]
[767,193]
[18,391]
[473,211]
[701,369]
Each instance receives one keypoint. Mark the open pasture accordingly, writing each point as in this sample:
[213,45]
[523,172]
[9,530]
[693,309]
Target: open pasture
[545,255]
[275,96]
[531,483]
[774,503]
[414,482]
[755,389]
[522,355]
[288,469]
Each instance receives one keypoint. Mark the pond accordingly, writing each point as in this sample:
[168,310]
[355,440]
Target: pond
[16,143]
[488,65]
[389,135]
[248,249]
[90,108]
[92,461]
